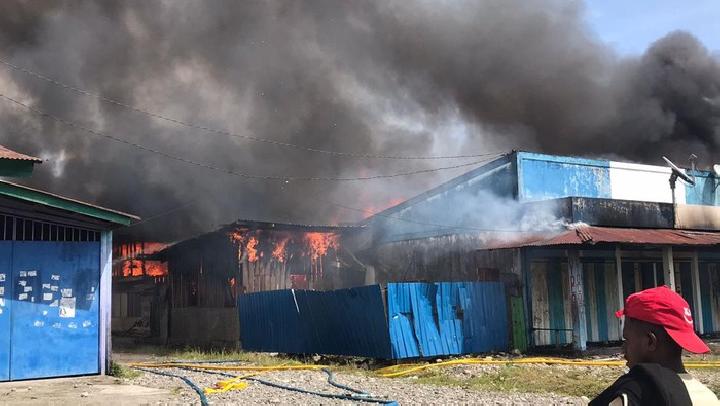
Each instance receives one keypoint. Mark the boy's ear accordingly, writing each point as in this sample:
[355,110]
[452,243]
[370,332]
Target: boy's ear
[652,343]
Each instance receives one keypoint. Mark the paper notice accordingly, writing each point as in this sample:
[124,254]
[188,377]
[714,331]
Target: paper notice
[90,297]
[2,302]
[39,323]
[2,277]
[46,286]
[87,323]
[32,273]
[1,310]
[2,290]
[45,312]
[48,297]
[23,274]
[54,288]
[27,289]
[57,325]
[54,303]
[22,296]
[92,289]
[55,277]
[22,283]
[72,325]
[66,292]
[67,307]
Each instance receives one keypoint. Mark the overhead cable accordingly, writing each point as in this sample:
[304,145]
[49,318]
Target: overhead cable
[98,133]
[226,132]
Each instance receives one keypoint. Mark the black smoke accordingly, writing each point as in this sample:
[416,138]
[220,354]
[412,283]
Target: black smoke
[389,77]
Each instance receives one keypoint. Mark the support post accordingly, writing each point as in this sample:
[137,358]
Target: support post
[621,299]
[697,303]
[668,267]
[105,289]
[577,301]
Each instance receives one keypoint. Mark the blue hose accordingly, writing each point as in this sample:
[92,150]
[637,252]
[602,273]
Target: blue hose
[358,395]
[197,389]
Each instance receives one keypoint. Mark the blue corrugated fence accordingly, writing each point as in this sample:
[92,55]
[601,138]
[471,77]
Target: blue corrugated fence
[422,320]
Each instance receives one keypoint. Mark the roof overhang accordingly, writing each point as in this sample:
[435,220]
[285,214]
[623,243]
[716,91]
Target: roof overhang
[64,207]
[587,236]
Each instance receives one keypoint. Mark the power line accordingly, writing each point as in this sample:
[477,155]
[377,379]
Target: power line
[228,133]
[229,171]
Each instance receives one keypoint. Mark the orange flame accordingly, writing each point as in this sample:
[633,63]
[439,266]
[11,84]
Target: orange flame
[319,243]
[252,250]
[279,250]
[131,266]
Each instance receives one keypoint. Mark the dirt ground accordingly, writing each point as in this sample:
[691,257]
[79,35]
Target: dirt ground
[462,384]
[95,390]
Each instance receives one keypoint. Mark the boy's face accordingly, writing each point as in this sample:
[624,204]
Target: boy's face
[639,343]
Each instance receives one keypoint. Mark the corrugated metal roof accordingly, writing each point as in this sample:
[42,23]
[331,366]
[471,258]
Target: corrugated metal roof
[588,235]
[10,154]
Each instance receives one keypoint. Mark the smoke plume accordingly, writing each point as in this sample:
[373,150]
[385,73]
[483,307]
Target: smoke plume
[385,77]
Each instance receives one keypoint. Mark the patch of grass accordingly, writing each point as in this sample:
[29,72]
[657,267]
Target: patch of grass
[518,378]
[255,358]
[121,371]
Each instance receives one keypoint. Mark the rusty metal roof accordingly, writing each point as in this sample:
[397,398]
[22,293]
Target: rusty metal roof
[10,154]
[589,235]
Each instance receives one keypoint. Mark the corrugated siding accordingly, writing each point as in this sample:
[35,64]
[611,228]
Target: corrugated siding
[472,317]
[340,322]
[425,320]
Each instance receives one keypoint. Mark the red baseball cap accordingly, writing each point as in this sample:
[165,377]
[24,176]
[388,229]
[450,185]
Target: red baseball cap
[664,307]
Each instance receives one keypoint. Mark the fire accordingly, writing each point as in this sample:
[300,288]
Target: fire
[132,262]
[252,249]
[319,243]
[372,210]
[279,252]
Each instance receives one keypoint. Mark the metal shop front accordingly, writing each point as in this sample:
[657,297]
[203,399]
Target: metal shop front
[49,295]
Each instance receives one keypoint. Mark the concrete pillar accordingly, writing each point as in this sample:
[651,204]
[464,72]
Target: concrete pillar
[697,303]
[668,267]
[577,301]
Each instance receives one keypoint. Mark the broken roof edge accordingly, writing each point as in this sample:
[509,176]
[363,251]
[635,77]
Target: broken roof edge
[258,225]
[28,194]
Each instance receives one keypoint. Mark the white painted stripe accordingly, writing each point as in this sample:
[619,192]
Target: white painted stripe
[647,183]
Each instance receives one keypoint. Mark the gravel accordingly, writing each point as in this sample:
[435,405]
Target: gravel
[404,390]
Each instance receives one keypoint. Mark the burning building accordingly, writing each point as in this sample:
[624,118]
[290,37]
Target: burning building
[140,288]
[570,237]
[206,273]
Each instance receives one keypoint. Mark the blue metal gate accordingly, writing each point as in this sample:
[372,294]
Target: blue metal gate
[51,293]
[5,284]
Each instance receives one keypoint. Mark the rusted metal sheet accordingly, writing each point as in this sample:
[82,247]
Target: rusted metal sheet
[10,154]
[589,235]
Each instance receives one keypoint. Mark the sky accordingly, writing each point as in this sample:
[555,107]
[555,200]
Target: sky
[630,26]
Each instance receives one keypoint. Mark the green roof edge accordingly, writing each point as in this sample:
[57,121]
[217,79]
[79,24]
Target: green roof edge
[47,199]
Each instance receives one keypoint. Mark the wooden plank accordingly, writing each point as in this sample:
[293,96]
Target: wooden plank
[540,305]
[614,301]
[577,305]
[601,304]
[590,303]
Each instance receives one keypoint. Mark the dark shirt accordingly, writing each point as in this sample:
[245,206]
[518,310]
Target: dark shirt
[647,384]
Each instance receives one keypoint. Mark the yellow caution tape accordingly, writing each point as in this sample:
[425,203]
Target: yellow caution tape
[395,371]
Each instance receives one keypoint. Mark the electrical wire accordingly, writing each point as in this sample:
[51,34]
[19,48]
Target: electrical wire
[225,132]
[98,133]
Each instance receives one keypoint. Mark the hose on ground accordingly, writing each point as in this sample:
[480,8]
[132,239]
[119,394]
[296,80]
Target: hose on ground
[395,371]
[362,396]
[190,383]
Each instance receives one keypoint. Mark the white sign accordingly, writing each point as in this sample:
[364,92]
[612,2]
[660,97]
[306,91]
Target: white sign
[67,307]
[48,297]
